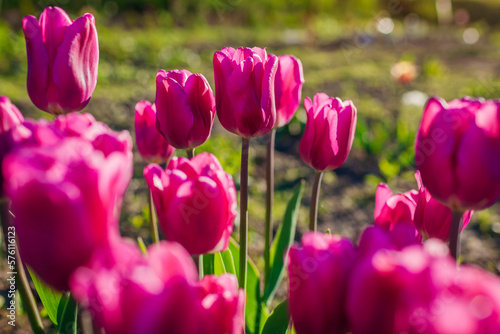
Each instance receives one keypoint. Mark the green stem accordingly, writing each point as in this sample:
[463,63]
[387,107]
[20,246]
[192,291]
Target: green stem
[22,283]
[269,203]
[313,213]
[190,153]
[245,143]
[200,266]
[152,217]
[455,228]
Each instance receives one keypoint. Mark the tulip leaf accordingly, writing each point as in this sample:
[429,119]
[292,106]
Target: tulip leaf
[255,311]
[51,299]
[227,258]
[67,315]
[208,264]
[219,267]
[283,240]
[278,320]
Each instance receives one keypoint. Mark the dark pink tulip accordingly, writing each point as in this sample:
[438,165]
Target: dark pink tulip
[63,57]
[196,202]
[244,90]
[318,273]
[185,107]
[66,195]
[287,88]
[458,152]
[130,294]
[432,218]
[12,132]
[329,132]
[152,147]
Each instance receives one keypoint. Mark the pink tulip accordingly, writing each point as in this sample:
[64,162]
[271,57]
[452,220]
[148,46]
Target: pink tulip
[318,273]
[458,152]
[244,90]
[196,202]
[152,147]
[185,107]
[432,218]
[130,294]
[62,60]
[65,195]
[329,132]
[12,132]
[287,88]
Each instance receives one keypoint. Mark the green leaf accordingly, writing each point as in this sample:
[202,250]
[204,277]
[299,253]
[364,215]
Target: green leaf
[227,258]
[283,240]
[208,264]
[67,315]
[219,267]
[255,311]
[50,298]
[277,323]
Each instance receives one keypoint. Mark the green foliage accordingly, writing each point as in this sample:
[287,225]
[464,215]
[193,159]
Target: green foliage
[278,320]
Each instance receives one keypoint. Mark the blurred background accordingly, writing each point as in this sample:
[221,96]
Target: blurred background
[387,56]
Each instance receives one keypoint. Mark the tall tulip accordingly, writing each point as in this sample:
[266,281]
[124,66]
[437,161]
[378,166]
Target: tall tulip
[185,107]
[318,271]
[66,195]
[196,202]
[327,139]
[63,57]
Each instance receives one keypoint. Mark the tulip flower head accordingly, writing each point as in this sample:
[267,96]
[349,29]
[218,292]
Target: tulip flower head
[329,132]
[244,90]
[185,106]
[152,146]
[287,88]
[63,57]
[196,202]
[458,152]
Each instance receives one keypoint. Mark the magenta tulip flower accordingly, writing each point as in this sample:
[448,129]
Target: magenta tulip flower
[329,132]
[66,195]
[318,273]
[458,152]
[63,57]
[244,90]
[130,294]
[152,146]
[196,202]
[185,107]
[432,218]
[287,88]
[10,116]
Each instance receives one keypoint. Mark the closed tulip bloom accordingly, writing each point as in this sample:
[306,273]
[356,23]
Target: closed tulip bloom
[152,146]
[458,152]
[318,271]
[63,57]
[329,132]
[185,106]
[287,88]
[65,195]
[244,90]
[432,218]
[10,116]
[196,202]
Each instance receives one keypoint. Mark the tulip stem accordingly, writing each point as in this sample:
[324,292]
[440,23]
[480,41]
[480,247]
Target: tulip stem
[198,259]
[245,144]
[313,213]
[455,228]
[22,283]
[190,153]
[269,204]
[152,217]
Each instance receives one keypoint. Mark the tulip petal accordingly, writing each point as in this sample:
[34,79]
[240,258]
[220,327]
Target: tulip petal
[202,103]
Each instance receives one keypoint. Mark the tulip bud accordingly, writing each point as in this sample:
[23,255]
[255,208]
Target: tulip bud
[152,146]
[458,152]
[185,107]
[63,57]
[432,218]
[318,273]
[196,202]
[287,88]
[329,132]
[244,90]
[67,195]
